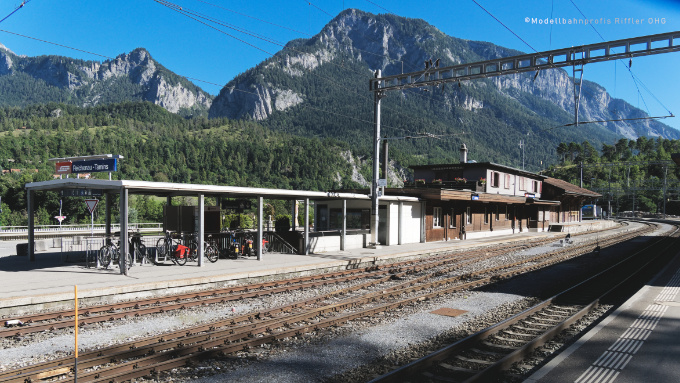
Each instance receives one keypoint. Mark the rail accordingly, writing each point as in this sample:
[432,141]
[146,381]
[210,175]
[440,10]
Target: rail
[21,232]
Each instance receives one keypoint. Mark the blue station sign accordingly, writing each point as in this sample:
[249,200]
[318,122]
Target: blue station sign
[91,166]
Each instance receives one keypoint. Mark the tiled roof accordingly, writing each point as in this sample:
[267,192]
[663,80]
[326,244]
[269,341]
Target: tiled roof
[570,188]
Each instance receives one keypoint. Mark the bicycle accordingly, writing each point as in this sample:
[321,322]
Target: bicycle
[110,253]
[210,249]
[106,253]
[166,248]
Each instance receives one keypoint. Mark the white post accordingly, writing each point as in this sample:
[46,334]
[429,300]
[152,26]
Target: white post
[123,231]
[201,228]
[376,167]
[260,237]
[401,208]
[343,234]
[306,226]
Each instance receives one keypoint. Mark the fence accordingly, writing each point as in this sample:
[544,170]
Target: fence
[45,231]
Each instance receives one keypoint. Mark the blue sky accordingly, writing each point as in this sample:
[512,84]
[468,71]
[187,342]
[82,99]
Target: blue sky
[194,50]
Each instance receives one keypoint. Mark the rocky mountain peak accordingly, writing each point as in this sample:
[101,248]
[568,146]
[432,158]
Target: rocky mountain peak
[129,76]
[355,43]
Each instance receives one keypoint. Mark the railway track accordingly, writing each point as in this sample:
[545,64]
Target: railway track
[23,325]
[149,356]
[488,354]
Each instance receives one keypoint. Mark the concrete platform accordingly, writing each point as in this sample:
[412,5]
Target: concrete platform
[580,227]
[639,342]
[48,283]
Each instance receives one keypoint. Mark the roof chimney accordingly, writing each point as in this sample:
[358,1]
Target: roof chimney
[463,154]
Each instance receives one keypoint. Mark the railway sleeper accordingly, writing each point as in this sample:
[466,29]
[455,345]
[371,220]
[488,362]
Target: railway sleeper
[449,367]
[551,316]
[518,327]
[518,334]
[538,324]
[498,346]
[564,312]
[492,354]
[510,340]
[475,361]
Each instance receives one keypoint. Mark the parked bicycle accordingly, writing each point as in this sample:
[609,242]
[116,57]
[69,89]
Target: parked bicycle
[166,248]
[210,249]
[110,253]
[106,253]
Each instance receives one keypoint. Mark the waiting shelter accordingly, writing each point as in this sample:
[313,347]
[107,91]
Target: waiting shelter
[124,188]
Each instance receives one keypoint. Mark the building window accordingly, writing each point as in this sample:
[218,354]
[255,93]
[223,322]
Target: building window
[486,217]
[535,187]
[507,181]
[521,184]
[495,179]
[437,217]
[452,220]
[468,216]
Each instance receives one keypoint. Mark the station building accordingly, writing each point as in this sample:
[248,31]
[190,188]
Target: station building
[444,202]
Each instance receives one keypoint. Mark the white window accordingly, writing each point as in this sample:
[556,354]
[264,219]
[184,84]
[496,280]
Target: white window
[437,217]
[521,184]
[507,181]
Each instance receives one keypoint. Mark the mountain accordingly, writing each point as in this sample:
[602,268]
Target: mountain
[129,77]
[319,87]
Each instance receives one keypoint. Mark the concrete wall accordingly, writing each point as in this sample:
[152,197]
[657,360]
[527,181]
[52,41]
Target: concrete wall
[321,242]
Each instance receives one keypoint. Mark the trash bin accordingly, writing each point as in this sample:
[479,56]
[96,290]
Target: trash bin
[22,249]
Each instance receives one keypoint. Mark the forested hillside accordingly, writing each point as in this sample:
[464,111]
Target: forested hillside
[157,146]
[627,172]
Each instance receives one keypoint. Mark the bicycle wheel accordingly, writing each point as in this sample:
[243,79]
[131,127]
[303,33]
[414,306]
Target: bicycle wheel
[212,254]
[192,252]
[162,248]
[128,260]
[104,256]
[144,255]
[178,258]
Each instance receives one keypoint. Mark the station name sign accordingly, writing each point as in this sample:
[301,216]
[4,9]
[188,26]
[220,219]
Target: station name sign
[87,166]
[91,166]
[81,192]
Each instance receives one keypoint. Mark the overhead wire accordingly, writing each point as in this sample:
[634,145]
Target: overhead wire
[15,10]
[187,77]
[254,18]
[383,8]
[191,14]
[317,7]
[57,44]
[633,76]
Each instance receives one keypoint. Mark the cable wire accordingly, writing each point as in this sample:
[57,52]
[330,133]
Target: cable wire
[15,10]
